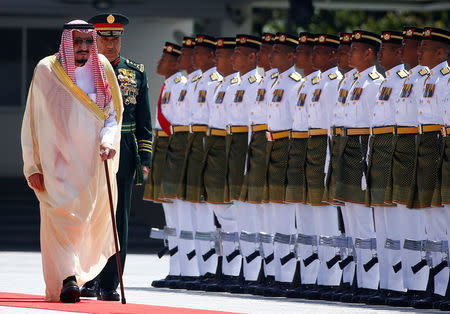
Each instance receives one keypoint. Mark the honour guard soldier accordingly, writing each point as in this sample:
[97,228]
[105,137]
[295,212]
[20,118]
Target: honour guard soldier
[388,220]
[295,175]
[254,180]
[282,101]
[319,105]
[350,171]
[136,140]
[244,95]
[167,67]
[203,58]
[175,167]
[215,173]
[432,108]
[406,120]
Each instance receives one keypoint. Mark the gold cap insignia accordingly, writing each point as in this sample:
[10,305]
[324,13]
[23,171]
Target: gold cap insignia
[357,35]
[267,38]
[427,33]
[322,38]
[110,19]
[169,48]
[346,38]
[303,38]
[243,40]
[387,36]
[200,39]
[282,38]
[409,32]
[220,43]
[188,42]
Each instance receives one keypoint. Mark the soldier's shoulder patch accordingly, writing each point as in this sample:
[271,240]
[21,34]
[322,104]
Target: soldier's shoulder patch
[137,66]
[274,75]
[295,76]
[374,75]
[196,78]
[315,80]
[234,80]
[423,72]
[332,76]
[252,79]
[177,79]
[214,76]
[402,74]
[445,70]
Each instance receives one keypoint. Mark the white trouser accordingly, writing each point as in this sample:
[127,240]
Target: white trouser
[284,222]
[306,225]
[186,223]
[413,228]
[395,222]
[327,225]
[348,273]
[227,219]
[171,216]
[204,222]
[362,226]
[265,224]
[436,225]
[246,214]
[379,213]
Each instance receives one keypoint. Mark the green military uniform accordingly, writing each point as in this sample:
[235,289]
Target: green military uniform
[136,139]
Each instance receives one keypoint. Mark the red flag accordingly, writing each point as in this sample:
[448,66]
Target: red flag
[163,122]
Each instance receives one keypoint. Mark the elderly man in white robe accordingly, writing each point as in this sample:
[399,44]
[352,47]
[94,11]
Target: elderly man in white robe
[70,126]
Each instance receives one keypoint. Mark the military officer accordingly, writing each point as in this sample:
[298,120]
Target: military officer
[432,108]
[388,220]
[168,67]
[350,171]
[136,140]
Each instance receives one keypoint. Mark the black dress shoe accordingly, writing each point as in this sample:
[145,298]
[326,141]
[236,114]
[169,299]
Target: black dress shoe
[259,289]
[164,283]
[316,293]
[70,293]
[363,297]
[221,284]
[405,299]
[332,291]
[426,303]
[279,289]
[108,295]
[382,296]
[354,296]
[89,289]
[445,306]
[299,292]
[180,284]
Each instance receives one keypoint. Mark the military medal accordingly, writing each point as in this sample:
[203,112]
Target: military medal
[406,90]
[165,98]
[429,90]
[342,95]
[182,95]
[239,95]
[356,94]
[219,98]
[260,95]
[301,100]
[316,95]
[385,93]
[201,96]
[277,95]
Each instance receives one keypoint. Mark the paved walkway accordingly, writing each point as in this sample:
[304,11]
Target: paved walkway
[21,272]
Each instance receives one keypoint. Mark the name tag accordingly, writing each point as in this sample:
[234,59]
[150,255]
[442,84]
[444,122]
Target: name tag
[182,95]
[342,95]
[301,100]
[385,93]
[201,96]
[219,98]
[239,96]
[356,94]
[278,95]
[429,90]
[316,95]
[165,98]
[406,90]
[261,94]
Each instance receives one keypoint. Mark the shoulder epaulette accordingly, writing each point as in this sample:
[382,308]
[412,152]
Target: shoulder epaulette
[177,79]
[214,76]
[274,75]
[252,79]
[355,75]
[234,80]
[315,80]
[402,74]
[424,71]
[332,76]
[137,66]
[196,78]
[295,76]
[374,75]
[445,70]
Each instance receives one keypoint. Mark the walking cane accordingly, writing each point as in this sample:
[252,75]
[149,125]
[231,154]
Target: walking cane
[116,242]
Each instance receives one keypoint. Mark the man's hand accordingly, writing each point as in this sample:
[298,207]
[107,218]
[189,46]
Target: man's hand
[36,181]
[106,151]
[145,170]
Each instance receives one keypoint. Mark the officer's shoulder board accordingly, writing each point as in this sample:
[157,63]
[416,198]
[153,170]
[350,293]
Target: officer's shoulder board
[374,75]
[214,76]
[252,79]
[295,76]
[402,74]
[315,80]
[134,65]
[274,75]
[332,76]
[445,70]
[423,72]
[234,80]
[196,78]
[355,75]
[177,79]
